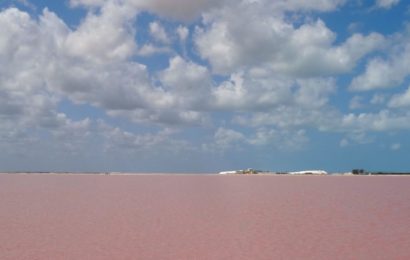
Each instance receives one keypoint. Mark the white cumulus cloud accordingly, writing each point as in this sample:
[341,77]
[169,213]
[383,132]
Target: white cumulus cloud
[269,41]
[400,100]
[386,3]
[158,32]
[388,72]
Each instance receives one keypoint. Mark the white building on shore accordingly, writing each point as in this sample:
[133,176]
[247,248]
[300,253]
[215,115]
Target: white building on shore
[312,172]
[229,172]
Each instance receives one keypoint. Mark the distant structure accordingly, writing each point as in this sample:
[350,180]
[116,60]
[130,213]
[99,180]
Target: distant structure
[228,172]
[313,172]
[247,171]
[252,171]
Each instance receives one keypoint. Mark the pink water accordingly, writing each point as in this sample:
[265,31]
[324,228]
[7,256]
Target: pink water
[204,217]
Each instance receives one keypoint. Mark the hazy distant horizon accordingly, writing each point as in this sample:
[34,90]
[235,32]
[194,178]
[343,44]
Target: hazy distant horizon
[263,172]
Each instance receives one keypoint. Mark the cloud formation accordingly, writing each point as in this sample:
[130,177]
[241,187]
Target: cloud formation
[273,44]
[386,3]
[386,72]
[246,73]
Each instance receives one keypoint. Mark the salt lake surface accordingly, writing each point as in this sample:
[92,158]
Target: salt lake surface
[204,217]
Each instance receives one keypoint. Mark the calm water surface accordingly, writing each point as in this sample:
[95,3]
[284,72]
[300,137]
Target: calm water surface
[204,217]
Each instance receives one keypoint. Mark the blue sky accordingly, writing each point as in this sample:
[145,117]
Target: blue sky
[204,86]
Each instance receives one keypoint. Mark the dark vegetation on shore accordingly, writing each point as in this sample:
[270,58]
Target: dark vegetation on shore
[364,172]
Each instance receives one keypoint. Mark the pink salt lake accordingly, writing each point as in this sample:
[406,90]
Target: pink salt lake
[204,217]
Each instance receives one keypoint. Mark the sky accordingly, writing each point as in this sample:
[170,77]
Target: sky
[204,85]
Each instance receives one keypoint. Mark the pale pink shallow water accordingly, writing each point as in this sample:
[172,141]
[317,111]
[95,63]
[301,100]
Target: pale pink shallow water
[204,217]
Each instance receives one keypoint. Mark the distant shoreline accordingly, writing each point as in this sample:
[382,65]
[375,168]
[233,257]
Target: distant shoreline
[192,174]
